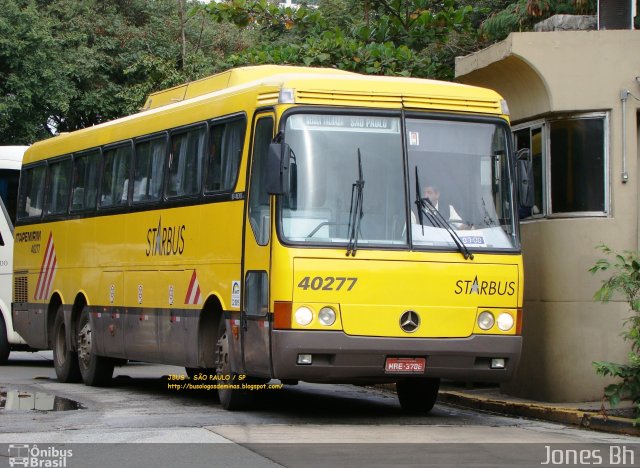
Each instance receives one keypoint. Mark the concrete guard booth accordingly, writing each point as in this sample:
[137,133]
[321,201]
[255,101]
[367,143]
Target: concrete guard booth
[573,97]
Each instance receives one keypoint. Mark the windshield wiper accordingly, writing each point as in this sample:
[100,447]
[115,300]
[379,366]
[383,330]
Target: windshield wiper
[426,208]
[355,212]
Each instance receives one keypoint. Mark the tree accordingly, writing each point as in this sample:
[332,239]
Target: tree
[69,64]
[30,85]
[523,14]
[394,37]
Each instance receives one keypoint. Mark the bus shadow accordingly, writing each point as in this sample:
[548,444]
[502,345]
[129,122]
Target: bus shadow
[20,362]
[308,403]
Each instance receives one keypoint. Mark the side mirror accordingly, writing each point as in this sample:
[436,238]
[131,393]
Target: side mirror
[278,164]
[526,187]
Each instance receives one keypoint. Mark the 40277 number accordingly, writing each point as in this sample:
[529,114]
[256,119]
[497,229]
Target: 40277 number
[327,283]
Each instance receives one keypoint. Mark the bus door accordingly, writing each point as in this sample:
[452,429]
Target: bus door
[255,321]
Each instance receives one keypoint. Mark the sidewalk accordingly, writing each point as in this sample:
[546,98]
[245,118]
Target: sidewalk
[588,415]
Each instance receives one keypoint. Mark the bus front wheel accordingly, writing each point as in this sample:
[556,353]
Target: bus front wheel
[417,396]
[230,399]
[65,361]
[96,370]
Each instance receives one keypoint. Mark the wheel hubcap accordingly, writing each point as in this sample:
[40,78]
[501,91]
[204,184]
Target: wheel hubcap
[222,353]
[84,344]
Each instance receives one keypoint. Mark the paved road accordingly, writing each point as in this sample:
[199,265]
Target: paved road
[339,425]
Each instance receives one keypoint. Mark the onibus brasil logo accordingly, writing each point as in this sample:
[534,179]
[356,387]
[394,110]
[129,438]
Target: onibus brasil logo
[34,456]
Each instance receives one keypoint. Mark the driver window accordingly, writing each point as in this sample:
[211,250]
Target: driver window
[258,196]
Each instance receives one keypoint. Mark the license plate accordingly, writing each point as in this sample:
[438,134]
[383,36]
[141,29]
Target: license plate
[405,365]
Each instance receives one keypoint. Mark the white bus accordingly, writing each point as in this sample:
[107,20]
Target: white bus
[10,161]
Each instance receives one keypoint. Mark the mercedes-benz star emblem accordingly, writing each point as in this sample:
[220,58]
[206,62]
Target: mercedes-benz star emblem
[409,321]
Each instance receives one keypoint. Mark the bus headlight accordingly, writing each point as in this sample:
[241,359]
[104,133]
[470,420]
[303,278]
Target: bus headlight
[327,316]
[303,316]
[505,322]
[486,320]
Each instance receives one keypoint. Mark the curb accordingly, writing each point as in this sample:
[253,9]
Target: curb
[586,419]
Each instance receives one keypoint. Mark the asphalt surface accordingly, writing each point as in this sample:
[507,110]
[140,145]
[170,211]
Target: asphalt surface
[140,421]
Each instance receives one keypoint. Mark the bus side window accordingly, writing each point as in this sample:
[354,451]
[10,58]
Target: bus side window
[115,176]
[31,197]
[57,198]
[85,181]
[186,163]
[225,151]
[148,170]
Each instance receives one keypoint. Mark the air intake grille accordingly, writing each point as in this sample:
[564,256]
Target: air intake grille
[406,100]
[20,289]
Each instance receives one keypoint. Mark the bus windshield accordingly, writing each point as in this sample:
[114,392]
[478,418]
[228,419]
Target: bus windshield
[462,169]
[326,151]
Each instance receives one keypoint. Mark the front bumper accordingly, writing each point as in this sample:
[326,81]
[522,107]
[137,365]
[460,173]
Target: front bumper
[338,357]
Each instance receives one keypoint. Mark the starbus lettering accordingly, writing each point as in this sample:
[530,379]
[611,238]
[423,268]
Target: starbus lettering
[485,288]
[168,240]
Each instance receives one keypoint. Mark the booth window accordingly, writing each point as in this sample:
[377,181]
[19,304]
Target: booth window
[569,165]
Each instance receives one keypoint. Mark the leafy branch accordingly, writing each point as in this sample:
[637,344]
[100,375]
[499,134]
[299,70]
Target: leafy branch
[624,269]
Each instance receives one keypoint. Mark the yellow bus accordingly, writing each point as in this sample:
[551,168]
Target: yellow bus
[284,223]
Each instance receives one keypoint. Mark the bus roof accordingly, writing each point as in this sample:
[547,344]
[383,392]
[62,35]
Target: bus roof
[228,79]
[261,86]
[11,156]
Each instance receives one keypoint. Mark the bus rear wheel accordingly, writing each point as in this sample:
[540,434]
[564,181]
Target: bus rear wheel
[230,399]
[95,370]
[417,396]
[65,361]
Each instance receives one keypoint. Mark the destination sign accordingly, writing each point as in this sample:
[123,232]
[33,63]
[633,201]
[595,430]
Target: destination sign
[344,123]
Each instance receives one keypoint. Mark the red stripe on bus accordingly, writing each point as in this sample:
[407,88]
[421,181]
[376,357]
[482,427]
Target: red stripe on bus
[42,267]
[48,272]
[187,299]
[49,279]
[50,255]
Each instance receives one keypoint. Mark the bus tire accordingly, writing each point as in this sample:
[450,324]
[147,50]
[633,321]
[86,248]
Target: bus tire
[417,396]
[231,400]
[65,361]
[95,370]
[5,349]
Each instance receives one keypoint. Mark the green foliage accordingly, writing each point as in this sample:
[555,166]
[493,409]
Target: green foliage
[69,64]
[333,49]
[523,14]
[624,280]
[394,37]
[27,88]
